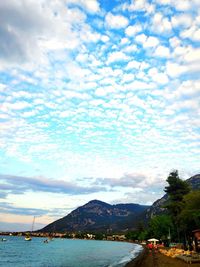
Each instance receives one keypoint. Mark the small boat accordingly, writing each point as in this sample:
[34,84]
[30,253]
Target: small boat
[3,239]
[27,238]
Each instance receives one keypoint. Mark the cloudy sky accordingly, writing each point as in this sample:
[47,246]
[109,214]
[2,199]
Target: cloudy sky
[98,100]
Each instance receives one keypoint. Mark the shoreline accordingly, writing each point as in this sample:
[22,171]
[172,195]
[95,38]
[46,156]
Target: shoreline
[154,258]
[139,259]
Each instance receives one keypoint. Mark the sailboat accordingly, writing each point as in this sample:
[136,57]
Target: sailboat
[28,237]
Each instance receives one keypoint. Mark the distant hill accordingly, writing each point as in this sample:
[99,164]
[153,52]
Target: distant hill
[97,216]
[158,206]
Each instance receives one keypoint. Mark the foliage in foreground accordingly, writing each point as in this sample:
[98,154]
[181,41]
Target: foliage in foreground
[183,214]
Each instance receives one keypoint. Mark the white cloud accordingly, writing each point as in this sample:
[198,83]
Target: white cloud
[88,35]
[180,6]
[164,2]
[162,51]
[197,20]
[174,42]
[133,65]
[124,41]
[141,38]
[92,6]
[2,87]
[116,21]
[190,104]
[183,5]
[136,5]
[27,35]
[105,38]
[192,33]
[144,65]
[188,88]
[192,55]
[139,85]
[181,20]
[158,77]
[133,30]
[101,92]
[97,102]
[6,107]
[196,35]
[117,56]
[29,113]
[174,69]
[180,51]
[151,42]
[130,49]
[161,24]
[78,95]
[127,77]
[82,57]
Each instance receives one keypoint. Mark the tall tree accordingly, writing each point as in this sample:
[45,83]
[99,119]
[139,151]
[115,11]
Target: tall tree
[176,191]
[190,214]
[159,226]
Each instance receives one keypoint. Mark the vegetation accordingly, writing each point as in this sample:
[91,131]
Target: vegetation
[176,191]
[182,217]
[190,214]
[159,226]
[99,236]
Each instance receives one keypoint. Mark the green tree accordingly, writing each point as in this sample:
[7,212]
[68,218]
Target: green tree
[132,235]
[190,214]
[143,235]
[190,217]
[140,226]
[176,191]
[99,236]
[160,226]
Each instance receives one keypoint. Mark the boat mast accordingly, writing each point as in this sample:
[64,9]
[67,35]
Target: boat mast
[33,224]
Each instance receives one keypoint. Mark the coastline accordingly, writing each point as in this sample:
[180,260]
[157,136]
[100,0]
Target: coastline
[155,258]
[138,261]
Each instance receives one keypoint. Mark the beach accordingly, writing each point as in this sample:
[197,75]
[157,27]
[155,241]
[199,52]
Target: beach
[156,259]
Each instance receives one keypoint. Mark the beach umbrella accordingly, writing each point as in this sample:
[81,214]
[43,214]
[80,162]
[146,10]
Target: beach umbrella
[154,240]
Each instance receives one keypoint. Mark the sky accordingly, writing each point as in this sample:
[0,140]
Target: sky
[99,99]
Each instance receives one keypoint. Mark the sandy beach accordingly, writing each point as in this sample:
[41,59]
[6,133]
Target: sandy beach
[156,259]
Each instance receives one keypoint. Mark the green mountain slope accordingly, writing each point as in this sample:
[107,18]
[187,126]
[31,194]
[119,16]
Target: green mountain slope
[97,216]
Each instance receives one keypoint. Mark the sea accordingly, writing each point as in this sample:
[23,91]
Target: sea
[65,252]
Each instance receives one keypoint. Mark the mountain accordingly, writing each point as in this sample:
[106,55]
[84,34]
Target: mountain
[194,182]
[157,206]
[97,216]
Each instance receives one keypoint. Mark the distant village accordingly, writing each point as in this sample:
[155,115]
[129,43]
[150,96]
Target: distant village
[89,236]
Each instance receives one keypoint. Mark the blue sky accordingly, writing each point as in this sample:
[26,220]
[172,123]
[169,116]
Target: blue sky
[98,100]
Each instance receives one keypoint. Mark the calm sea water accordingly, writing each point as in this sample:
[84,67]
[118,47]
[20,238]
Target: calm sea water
[65,253]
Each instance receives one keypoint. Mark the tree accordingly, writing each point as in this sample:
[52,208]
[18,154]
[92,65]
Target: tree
[99,236]
[159,226]
[177,188]
[190,214]
[132,235]
[176,191]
